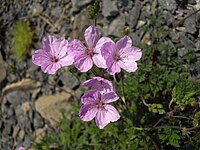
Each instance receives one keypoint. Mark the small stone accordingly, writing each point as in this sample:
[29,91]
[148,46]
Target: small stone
[38,121]
[56,11]
[68,80]
[125,5]
[116,27]
[169,5]
[190,23]
[15,131]
[187,43]
[182,52]
[49,106]
[169,17]
[18,111]
[3,72]
[174,37]
[133,16]
[79,25]
[109,9]
[21,134]
[27,141]
[140,24]
[26,107]
[78,5]
[37,9]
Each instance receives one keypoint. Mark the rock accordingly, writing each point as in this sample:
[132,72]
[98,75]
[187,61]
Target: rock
[174,37]
[169,5]
[116,27]
[186,42]
[3,72]
[21,134]
[190,23]
[56,12]
[109,9]
[49,106]
[36,8]
[140,24]
[125,5]
[80,24]
[38,122]
[68,81]
[134,14]
[24,84]
[27,141]
[192,2]
[78,5]
[169,17]
[26,107]
[182,52]
[17,97]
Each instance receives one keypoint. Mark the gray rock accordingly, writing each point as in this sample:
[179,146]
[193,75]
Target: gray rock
[68,80]
[2,72]
[197,44]
[190,23]
[109,9]
[78,5]
[168,17]
[116,27]
[37,9]
[169,5]
[133,16]
[186,42]
[27,141]
[125,5]
[135,38]
[18,111]
[56,12]
[192,2]
[38,121]
[17,97]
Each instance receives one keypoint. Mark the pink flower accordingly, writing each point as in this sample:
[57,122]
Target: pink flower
[54,55]
[121,55]
[21,148]
[95,105]
[86,56]
[100,84]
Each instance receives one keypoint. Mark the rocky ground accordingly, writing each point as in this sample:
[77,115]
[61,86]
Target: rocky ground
[30,100]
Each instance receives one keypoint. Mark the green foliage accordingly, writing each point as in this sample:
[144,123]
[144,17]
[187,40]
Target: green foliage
[170,137]
[161,110]
[22,37]
[94,10]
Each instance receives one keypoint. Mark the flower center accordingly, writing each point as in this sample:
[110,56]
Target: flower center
[116,57]
[54,59]
[100,105]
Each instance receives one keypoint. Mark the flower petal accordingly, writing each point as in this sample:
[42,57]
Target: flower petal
[50,67]
[88,112]
[131,53]
[91,97]
[106,115]
[108,50]
[123,43]
[99,61]
[40,57]
[112,66]
[100,84]
[109,97]
[83,61]
[47,42]
[92,35]
[128,65]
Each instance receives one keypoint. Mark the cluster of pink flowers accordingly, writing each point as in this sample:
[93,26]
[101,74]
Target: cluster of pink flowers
[101,51]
